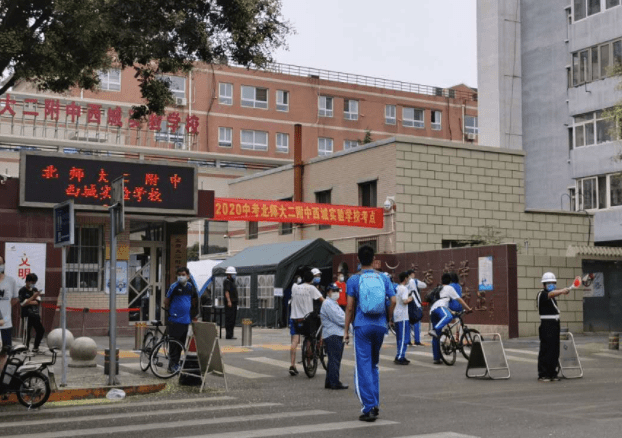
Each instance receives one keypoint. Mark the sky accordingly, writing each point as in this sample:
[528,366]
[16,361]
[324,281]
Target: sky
[428,42]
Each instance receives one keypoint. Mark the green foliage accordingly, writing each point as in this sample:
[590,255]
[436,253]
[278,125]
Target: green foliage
[367,138]
[615,113]
[60,44]
[192,253]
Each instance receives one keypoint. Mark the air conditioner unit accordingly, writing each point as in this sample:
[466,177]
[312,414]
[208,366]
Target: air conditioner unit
[470,136]
[181,101]
[180,146]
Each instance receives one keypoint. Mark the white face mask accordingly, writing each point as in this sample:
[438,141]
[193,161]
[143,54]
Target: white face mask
[341,278]
[298,280]
[334,296]
[182,279]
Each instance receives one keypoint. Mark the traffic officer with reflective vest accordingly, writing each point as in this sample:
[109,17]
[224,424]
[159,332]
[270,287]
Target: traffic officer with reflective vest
[548,357]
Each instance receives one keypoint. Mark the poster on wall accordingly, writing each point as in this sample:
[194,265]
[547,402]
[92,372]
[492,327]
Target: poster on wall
[121,277]
[594,285]
[22,259]
[485,273]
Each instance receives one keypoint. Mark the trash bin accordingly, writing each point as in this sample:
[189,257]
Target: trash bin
[139,334]
[247,334]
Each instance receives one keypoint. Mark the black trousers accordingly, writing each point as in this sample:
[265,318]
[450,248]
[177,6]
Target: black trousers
[34,322]
[334,350]
[230,316]
[178,332]
[548,357]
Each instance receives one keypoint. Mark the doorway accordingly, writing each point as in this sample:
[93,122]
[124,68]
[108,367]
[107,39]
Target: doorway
[146,280]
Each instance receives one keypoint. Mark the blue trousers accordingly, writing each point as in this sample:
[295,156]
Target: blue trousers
[439,318]
[402,333]
[416,328]
[367,343]
[334,350]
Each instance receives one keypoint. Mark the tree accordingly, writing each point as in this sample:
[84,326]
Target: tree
[60,44]
[367,138]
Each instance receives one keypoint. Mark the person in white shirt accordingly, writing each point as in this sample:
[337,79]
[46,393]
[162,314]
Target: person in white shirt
[9,292]
[303,296]
[400,319]
[414,286]
[440,315]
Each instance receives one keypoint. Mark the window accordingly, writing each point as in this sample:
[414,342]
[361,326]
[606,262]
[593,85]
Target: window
[593,7]
[579,10]
[436,120]
[572,194]
[390,114]
[282,100]
[254,97]
[323,197]
[587,193]
[242,283]
[110,80]
[265,291]
[225,137]
[470,125]
[604,60]
[282,142]
[413,118]
[584,67]
[253,230]
[599,192]
[367,194]
[165,134]
[349,144]
[585,8]
[594,63]
[176,84]
[286,227]
[612,3]
[592,128]
[225,94]
[254,140]
[373,242]
[350,109]
[615,190]
[325,105]
[594,68]
[324,146]
[85,260]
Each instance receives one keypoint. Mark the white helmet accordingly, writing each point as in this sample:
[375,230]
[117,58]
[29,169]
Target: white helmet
[316,271]
[549,277]
[231,270]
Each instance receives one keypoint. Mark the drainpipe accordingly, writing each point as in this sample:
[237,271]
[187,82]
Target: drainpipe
[298,168]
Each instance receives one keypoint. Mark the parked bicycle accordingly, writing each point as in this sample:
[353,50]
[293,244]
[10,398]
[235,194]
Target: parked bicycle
[156,352]
[26,378]
[313,348]
[448,342]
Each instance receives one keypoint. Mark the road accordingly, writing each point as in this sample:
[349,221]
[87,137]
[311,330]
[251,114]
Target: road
[418,400]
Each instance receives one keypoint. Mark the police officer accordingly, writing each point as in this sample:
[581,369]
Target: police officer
[548,357]
[230,292]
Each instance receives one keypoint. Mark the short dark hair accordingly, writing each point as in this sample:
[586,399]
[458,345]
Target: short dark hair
[32,277]
[403,276]
[182,269]
[366,255]
[454,277]
[410,272]
[307,276]
[445,278]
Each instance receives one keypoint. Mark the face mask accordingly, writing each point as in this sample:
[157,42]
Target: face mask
[316,280]
[182,279]
[1,269]
[298,280]
[334,296]
[550,287]
[233,277]
[341,278]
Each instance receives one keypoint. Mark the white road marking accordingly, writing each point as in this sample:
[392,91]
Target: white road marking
[441,435]
[413,362]
[244,373]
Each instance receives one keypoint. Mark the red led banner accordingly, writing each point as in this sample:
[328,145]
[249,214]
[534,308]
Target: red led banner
[254,210]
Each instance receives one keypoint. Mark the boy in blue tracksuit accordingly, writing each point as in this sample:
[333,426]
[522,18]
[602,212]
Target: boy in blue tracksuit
[369,332]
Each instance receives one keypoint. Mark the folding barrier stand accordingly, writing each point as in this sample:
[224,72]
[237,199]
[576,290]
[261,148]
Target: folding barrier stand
[568,357]
[205,335]
[489,356]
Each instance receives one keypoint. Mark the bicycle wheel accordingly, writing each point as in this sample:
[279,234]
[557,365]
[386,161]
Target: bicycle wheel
[466,342]
[448,348]
[321,352]
[146,350]
[161,363]
[34,390]
[309,358]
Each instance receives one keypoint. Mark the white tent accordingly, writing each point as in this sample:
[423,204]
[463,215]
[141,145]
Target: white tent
[201,271]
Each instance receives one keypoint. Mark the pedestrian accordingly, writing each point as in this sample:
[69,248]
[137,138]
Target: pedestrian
[302,317]
[343,299]
[367,292]
[454,305]
[181,299]
[333,323]
[440,315]
[9,293]
[548,356]
[30,299]
[414,287]
[230,292]
[400,319]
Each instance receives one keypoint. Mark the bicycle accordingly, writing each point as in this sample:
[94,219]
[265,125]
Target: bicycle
[151,338]
[159,352]
[313,347]
[449,346]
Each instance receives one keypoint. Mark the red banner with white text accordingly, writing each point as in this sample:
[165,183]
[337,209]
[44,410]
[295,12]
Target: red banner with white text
[254,210]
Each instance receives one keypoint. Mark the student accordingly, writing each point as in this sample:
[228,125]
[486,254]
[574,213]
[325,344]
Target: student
[414,286]
[333,322]
[369,331]
[400,318]
[548,356]
[29,298]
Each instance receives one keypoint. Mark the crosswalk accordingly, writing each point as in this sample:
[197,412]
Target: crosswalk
[197,417]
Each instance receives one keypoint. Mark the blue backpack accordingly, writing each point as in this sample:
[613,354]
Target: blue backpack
[371,293]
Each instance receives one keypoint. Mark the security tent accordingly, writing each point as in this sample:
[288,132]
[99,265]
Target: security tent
[262,269]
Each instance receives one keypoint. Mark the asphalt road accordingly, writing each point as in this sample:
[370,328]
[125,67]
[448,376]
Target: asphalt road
[418,400]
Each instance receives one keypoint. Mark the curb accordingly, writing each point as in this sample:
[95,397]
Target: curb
[93,393]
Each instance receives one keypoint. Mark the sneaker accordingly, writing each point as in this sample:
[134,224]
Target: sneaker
[293,371]
[433,333]
[174,369]
[544,379]
[437,362]
[376,411]
[402,361]
[418,343]
[556,379]
[35,350]
[410,344]
[368,416]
